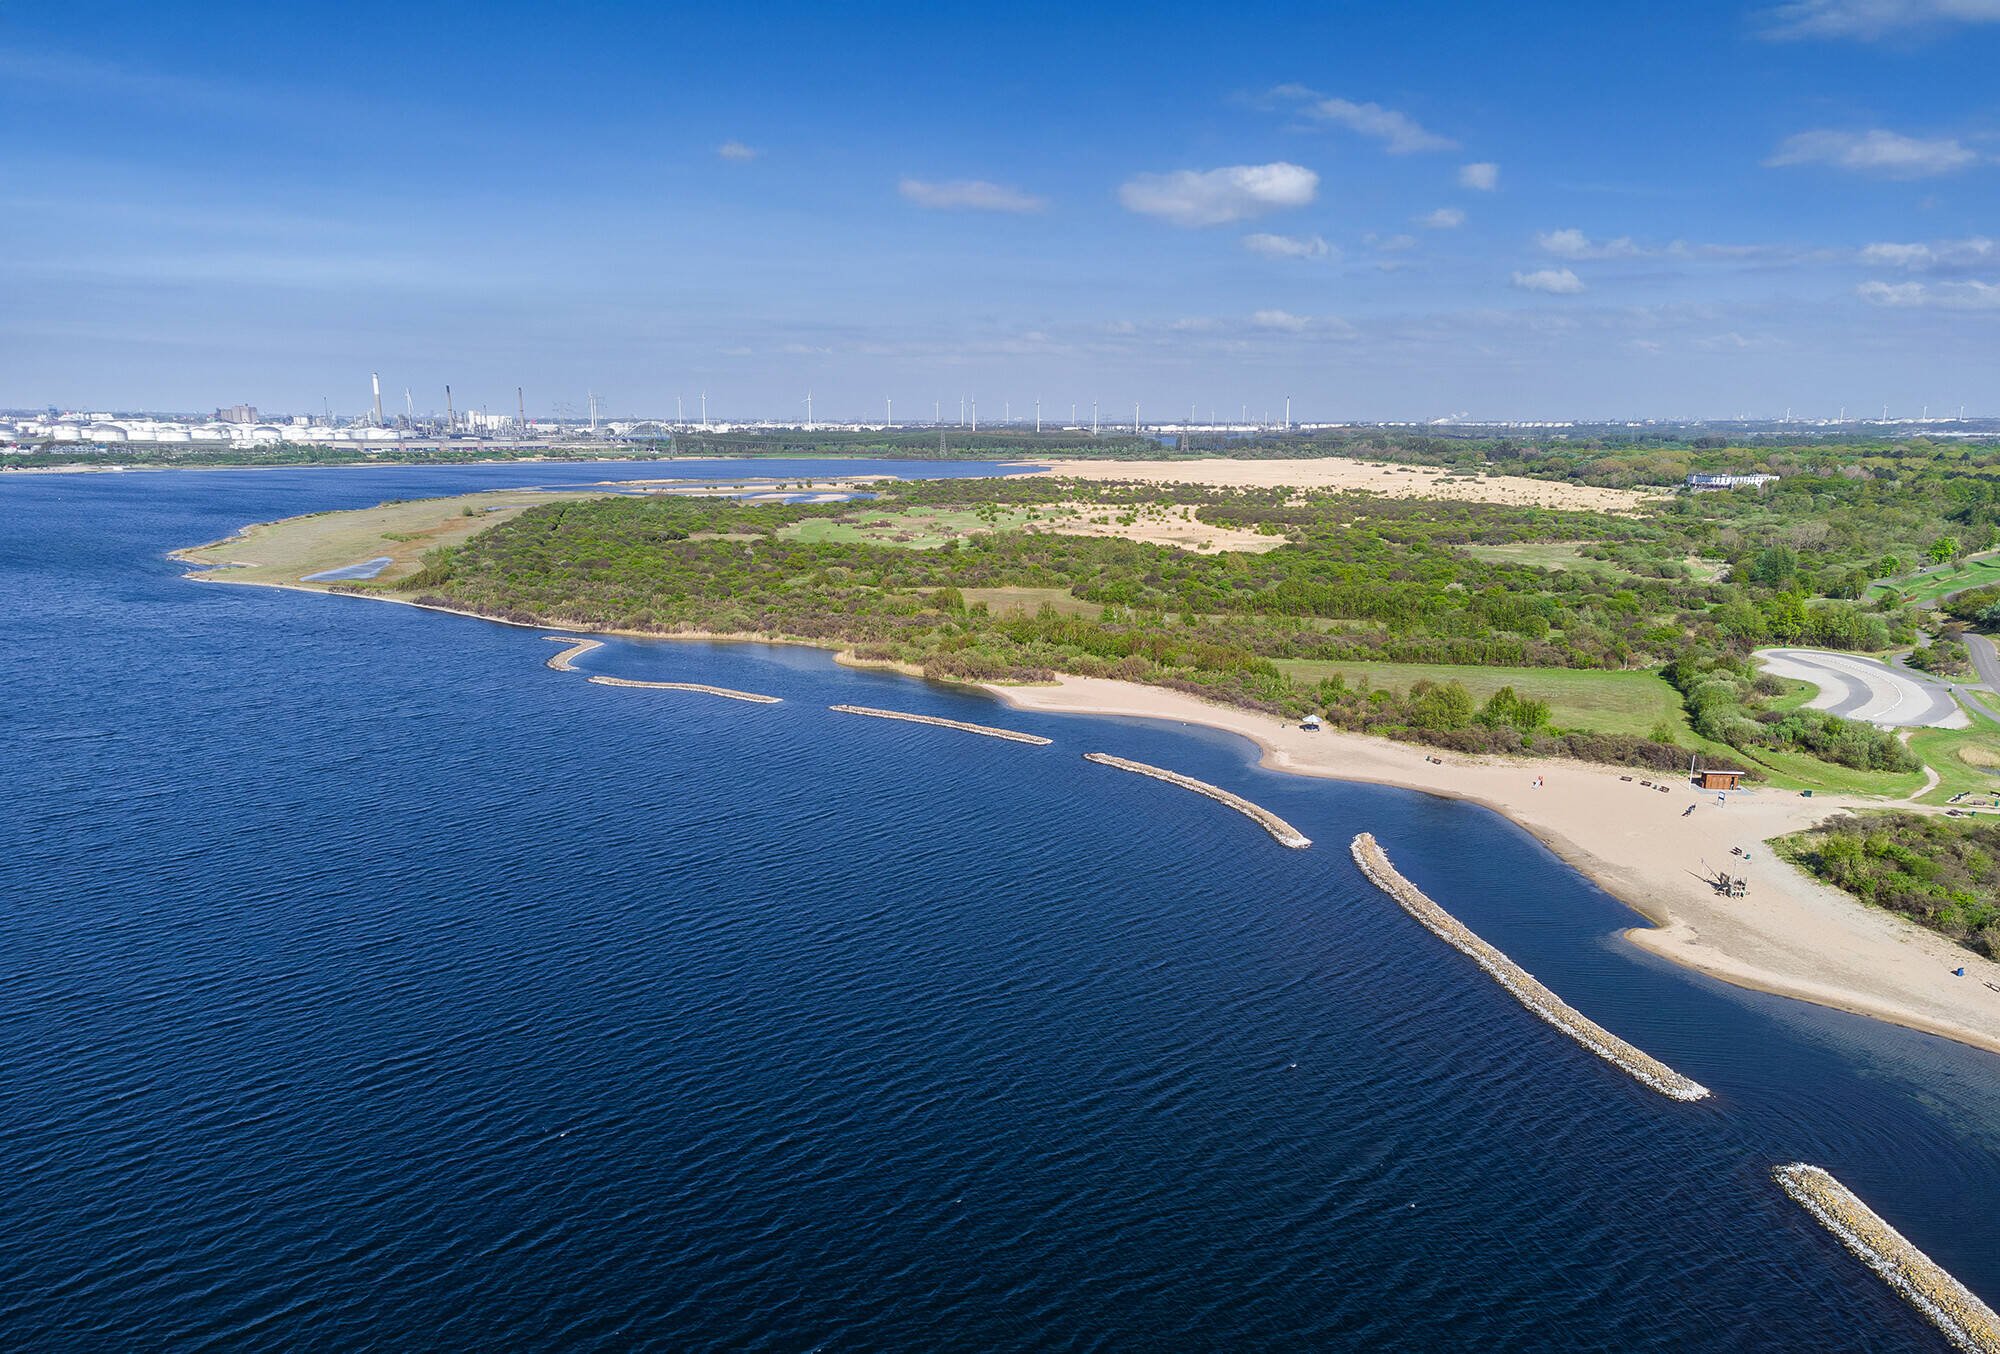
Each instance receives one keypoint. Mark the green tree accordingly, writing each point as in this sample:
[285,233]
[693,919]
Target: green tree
[1945,549]
[1440,707]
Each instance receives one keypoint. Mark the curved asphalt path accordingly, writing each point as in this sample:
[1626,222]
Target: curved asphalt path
[1985,660]
[1985,657]
[1868,691]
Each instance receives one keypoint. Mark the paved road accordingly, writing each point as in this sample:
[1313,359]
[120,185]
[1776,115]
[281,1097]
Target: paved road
[1985,660]
[1865,690]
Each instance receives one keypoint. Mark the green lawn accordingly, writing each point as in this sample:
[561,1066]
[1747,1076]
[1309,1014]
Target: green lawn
[1586,699]
[1927,588]
[1000,601]
[1539,554]
[1638,702]
[1569,555]
[1965,759]
[1797,771]
[915,529]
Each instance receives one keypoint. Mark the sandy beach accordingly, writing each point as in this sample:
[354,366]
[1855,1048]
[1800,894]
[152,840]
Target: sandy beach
[1338,473]
[1791,935]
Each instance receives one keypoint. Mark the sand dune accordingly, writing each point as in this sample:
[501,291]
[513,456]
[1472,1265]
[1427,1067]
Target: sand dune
[1341,473]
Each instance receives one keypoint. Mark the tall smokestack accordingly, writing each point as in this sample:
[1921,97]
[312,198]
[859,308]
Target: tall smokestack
[375,379]
[520,408]
[450,418]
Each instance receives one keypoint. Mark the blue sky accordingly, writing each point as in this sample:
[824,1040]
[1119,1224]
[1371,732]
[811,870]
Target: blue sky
[1385,211]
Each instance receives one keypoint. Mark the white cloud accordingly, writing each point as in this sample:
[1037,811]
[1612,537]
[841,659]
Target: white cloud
[1482,177]
[1872,20]
[736,150]
[1574,244]
[1190,197]
[1391,244]
[1289,246]
[1280,319]
[1943,256]
[1735,342]
[1876,152]
[1940,296]
[1399,133]
[1898,255]
[976,195]
[1555,281]
[1444,218]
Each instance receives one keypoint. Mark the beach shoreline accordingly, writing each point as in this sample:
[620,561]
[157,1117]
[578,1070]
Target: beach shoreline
[1793,937]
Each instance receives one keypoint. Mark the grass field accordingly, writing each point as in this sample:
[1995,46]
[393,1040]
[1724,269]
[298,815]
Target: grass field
[916,529]
[1569,555]
[1640,702]
[1797,771]
[928,528]
[1539,554]
[1965,759]
[1927,588]
[288,550]
[1000,601]
[1589,700]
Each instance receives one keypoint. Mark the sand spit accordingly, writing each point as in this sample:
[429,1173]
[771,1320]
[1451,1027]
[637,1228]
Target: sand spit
[987,729]
[1374,863]
[701,687]
[564,661]
[1282,831]
[1952,1307]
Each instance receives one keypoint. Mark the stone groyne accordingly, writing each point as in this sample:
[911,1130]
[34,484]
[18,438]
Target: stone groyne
[959,724]
[566,660]
[701,687]
[1282,831]
[1952,1307]
[1641,1066]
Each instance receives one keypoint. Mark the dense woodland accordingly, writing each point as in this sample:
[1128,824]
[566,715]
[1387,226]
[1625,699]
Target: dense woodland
[1942,872]
[1687,588]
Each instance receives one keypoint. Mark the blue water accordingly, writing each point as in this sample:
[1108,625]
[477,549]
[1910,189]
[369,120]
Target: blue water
[367,985]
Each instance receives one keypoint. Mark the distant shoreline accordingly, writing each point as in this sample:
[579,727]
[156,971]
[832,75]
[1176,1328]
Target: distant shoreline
[1792,936]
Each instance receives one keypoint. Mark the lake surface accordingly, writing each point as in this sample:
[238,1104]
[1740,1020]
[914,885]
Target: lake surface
[367,985]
